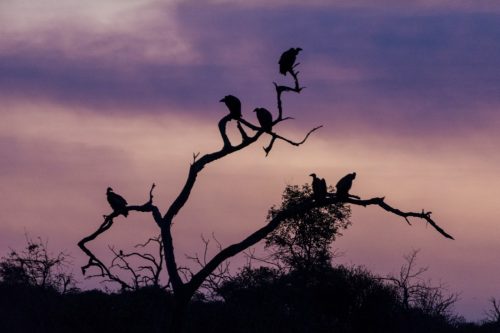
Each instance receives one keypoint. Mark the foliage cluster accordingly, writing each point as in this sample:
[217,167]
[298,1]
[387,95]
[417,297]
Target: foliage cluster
[36,266]
[303,241]
[335,299]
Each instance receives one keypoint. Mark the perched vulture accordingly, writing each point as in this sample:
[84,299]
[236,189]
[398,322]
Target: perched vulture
[287,60]
[234,106]
[319,187]
[265,119]
[344,184]
[117,202]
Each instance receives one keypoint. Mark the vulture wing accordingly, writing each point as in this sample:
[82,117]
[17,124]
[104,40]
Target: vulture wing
[234,106]
[265,119]
[118,203]
[344,184]
[286,61]
[323,187]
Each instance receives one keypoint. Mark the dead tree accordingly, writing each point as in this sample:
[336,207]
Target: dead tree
[493,314]
[136,269]
[210,287]
[184,289]
[417,293]
[36,266]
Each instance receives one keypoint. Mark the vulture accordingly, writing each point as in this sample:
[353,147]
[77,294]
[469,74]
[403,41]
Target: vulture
[287,60]
[234,106]
[265,119]
[117,202]
[319,187]
[344,184]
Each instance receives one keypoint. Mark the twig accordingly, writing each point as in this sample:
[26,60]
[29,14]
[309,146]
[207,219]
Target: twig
[277,136]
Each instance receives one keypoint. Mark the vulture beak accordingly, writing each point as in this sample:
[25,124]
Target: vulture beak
[223,100]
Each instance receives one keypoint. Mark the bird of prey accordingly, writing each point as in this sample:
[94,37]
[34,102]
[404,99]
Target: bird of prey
[265,119]
[117,202]
[319,187]
[344,184]
[287,60]
[234,106]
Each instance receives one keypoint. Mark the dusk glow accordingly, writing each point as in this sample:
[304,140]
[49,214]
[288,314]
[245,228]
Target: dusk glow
[104,93]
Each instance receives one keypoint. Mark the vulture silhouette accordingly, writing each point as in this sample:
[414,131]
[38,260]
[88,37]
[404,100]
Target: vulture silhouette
[265,119]
[117,202]
[234,106]
[344,184]
[319,187]
[287,60]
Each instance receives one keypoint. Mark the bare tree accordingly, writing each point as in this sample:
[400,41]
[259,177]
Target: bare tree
[36,266]
[216,278]
[408,281]
[436,300]
[137,269]
[415,292]
[184,289]
[493,314]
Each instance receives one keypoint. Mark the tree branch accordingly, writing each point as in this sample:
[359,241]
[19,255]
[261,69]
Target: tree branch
[108,222]
[277,136]
[304,206]
[280,89]
[380,202]
[244,135]
[255,237]
[222,129]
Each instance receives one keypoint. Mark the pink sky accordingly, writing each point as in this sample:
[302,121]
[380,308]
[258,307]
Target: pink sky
[98,94]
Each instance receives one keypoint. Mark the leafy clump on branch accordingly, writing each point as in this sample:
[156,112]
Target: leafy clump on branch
[303,241]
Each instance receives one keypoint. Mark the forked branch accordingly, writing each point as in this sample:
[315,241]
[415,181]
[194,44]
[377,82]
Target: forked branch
[277,136]
[300,208]
[107,223]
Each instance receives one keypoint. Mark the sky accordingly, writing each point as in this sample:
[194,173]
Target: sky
[104,93]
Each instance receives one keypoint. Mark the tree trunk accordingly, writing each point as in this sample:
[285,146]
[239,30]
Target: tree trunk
[179,312]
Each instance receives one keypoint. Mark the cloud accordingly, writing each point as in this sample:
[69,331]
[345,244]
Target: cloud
[390,69]
[386,5]
[25,15]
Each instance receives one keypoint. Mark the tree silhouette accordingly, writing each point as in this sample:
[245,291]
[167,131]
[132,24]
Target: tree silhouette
[184,289]
[303,241]
[415,292]
[36,266]
[137,269]
[493,314]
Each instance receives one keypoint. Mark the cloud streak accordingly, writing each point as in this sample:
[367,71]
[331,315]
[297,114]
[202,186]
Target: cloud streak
[388,69]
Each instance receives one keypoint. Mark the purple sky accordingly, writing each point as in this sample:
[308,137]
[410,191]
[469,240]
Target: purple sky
[96,94]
